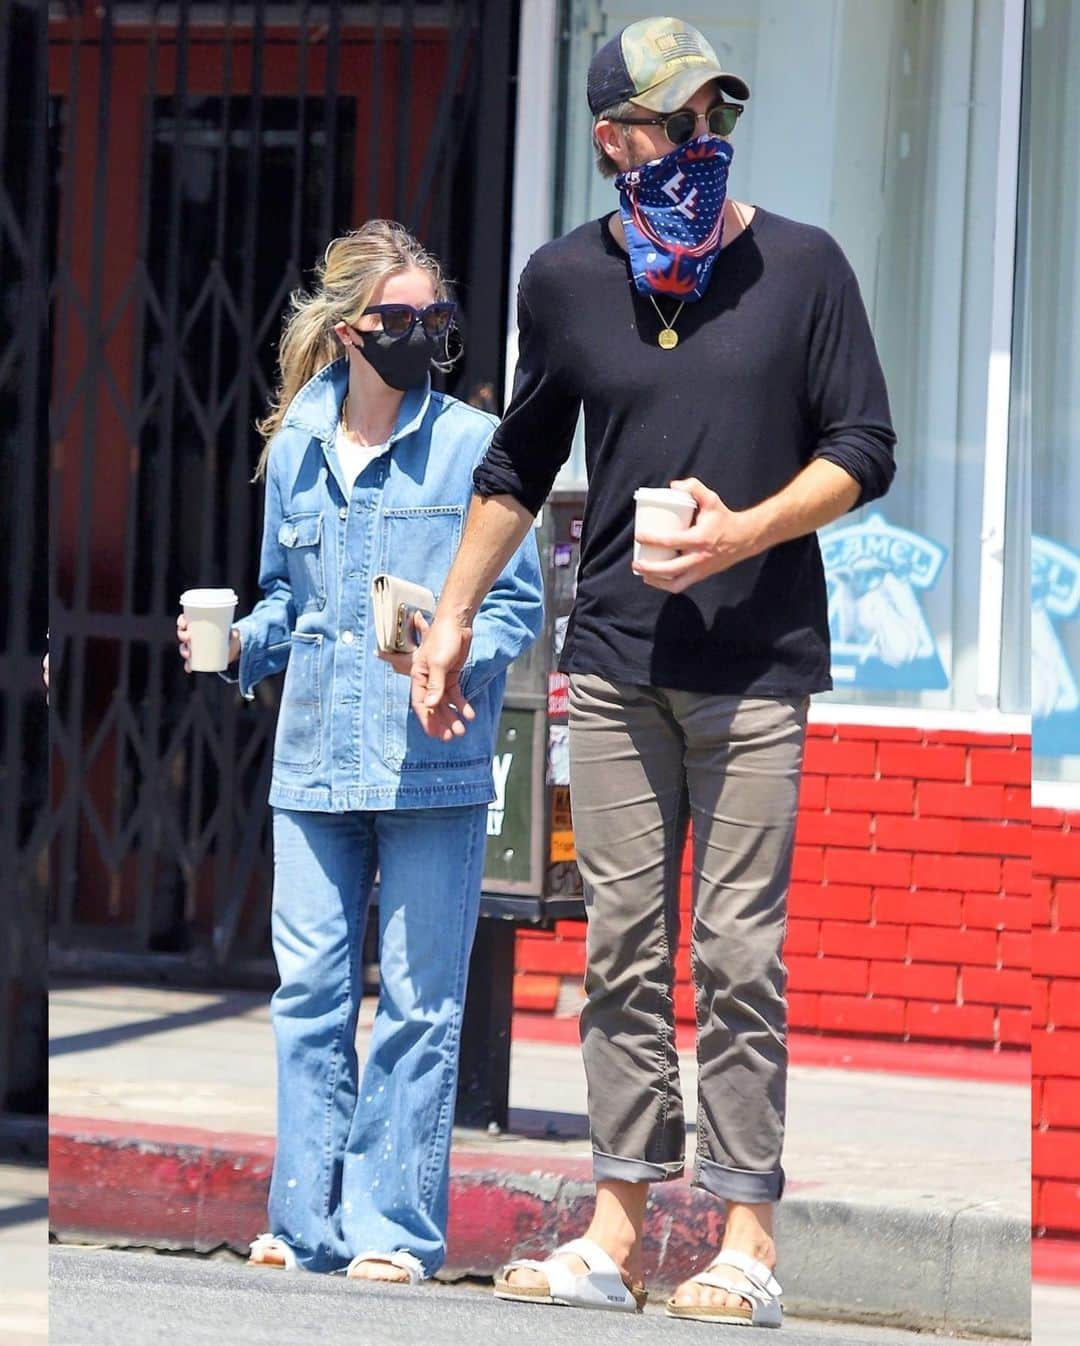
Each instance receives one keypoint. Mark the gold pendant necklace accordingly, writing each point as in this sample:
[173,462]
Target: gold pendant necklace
[668,338]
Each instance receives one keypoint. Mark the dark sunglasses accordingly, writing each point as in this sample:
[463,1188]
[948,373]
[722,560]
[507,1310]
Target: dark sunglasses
[398,320]
[679,127]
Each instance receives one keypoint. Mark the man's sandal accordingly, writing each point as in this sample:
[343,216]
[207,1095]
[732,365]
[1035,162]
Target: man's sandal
[270,1251]
[602,1287]
[404,1261]
[761,1289]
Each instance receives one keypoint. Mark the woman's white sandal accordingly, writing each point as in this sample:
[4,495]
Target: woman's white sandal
[761,1289]
[404,1261]
[271,1243]
[602,1287]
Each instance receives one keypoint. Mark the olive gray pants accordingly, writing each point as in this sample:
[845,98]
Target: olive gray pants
[643,762]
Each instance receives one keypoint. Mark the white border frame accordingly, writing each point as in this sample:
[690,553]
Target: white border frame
[999,373]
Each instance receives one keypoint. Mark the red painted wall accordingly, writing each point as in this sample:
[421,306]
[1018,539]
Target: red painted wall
[1055,1093]
[910,899]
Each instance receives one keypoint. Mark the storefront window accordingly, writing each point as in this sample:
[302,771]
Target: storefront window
[882,126]
[1049,301]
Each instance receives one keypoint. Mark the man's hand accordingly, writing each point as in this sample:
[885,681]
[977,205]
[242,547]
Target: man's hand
[436,690]
[718,539]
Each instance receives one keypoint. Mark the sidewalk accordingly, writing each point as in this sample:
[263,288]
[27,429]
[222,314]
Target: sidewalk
[907,1197]
[24,1252]
[1055,1315]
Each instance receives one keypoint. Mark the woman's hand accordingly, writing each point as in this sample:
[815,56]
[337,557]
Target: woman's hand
[402,663]
[185,646]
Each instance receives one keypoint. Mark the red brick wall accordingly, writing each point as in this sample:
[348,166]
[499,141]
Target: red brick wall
[910,896]
[1055,1094]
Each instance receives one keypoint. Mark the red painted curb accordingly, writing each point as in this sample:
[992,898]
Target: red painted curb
[834,1052]
[150,1184]
[1055,1261]
[185,1188]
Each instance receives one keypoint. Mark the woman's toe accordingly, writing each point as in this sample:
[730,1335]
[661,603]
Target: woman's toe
[526,1278]
[379,1271]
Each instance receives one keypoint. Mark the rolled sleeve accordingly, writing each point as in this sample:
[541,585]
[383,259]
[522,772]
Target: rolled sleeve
[848,398]
[536,434]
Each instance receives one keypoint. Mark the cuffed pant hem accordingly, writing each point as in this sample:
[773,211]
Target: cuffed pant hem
[739,1184]
[614,1168]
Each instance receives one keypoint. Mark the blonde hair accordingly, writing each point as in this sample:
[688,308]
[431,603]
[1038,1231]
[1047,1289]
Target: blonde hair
[352,269]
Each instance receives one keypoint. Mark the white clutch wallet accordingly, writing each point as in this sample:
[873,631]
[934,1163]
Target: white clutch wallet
[396,602]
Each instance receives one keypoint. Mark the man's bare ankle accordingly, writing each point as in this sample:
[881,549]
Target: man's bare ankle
[750,1229]
[622,1246]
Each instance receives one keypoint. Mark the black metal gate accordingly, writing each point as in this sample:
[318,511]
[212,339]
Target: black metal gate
[26,825]
[202,156]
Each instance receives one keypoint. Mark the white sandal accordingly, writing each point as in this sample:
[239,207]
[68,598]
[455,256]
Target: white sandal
[761,1289]
[272,1243]
[602,1287]
[401,1259]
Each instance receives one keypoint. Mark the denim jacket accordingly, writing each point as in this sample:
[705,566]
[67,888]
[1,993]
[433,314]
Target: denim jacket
[347,737]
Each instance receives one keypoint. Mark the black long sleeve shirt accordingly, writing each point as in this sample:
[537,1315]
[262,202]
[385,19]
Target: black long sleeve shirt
[775,366]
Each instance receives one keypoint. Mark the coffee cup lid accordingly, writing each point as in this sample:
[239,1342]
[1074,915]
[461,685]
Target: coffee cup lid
[664,495]
[208,598]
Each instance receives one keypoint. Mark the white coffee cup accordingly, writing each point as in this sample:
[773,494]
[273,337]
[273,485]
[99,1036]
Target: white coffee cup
[660,510]
[209,614]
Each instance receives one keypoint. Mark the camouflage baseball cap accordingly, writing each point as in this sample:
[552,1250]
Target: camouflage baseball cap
[659,64]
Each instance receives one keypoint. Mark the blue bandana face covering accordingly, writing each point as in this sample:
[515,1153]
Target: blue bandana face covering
[672,212]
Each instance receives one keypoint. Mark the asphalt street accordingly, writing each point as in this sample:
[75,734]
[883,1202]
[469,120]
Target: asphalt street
[100,1297]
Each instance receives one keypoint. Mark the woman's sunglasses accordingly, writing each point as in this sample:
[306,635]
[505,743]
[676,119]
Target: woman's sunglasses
[398,320]
[679,127]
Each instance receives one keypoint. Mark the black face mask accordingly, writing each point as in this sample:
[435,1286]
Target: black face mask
[402,362]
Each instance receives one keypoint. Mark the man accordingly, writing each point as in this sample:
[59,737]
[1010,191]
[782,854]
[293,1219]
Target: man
[725,351]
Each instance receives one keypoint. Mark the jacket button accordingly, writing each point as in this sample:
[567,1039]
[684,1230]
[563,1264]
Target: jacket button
[347,637]
[343,512]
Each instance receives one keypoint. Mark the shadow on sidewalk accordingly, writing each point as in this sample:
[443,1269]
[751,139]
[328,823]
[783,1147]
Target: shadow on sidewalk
[534,1123]
[37,1208]
[227,1007]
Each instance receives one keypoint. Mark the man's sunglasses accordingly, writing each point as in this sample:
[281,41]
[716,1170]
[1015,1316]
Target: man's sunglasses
[679,127]
[398,320]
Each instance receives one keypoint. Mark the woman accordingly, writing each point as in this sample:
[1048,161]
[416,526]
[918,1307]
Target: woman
[368,470]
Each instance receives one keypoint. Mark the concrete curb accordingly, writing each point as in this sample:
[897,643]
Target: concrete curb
[937,1270]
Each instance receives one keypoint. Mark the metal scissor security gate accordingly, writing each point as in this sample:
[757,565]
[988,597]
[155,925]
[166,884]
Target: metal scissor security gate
[201,156]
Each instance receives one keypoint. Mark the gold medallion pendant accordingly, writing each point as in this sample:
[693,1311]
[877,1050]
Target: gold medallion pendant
[667,338]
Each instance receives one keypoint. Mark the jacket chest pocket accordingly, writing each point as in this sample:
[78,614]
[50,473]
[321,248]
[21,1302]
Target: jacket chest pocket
[419,543]
[301,537]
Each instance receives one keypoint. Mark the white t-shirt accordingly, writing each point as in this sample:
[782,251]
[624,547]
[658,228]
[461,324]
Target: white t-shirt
[354,457]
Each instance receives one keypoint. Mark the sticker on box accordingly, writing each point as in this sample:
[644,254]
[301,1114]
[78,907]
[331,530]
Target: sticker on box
[562,848]
[558,704]
[558,763]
